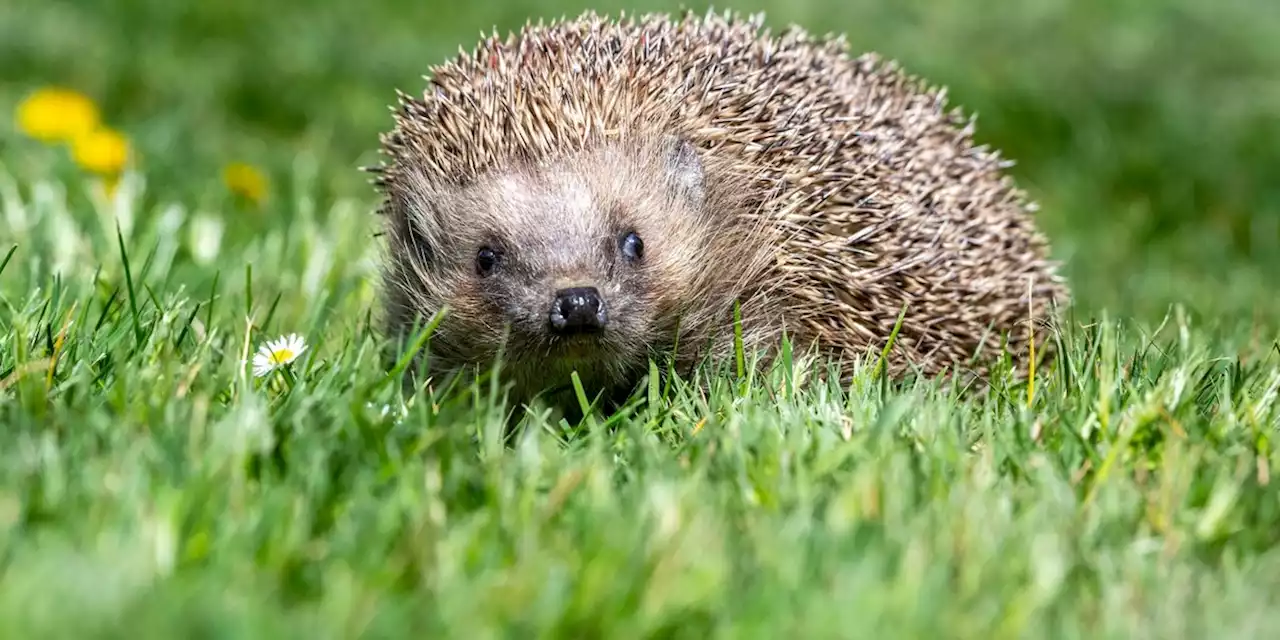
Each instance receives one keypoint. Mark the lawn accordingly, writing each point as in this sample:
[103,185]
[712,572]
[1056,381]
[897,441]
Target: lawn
[151,484]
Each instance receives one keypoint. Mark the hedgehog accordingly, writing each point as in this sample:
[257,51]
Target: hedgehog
[590,195]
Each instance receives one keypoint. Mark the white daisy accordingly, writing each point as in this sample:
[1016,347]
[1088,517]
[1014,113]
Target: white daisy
[277,353]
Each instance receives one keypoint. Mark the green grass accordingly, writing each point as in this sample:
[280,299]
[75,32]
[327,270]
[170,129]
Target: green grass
[150,485]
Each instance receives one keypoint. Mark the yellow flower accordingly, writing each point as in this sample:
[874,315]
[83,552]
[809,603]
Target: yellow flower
[54,114]
[102,151]
[245,181]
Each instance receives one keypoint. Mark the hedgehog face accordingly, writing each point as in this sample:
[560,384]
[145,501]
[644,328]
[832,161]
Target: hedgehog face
[572,265]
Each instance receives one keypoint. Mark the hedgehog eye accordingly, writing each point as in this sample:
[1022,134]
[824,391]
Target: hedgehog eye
[632,246]
[486,260]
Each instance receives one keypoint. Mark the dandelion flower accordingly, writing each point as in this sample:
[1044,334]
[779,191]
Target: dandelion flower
[245,181]
[54,114]
[102,151]
[278,353]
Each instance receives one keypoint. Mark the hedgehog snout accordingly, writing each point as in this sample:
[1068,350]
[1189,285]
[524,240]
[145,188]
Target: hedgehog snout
[577,310]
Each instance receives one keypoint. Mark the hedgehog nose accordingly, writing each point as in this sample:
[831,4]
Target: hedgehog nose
[577,310]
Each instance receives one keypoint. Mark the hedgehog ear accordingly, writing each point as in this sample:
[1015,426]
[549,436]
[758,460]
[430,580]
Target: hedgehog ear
[684,168]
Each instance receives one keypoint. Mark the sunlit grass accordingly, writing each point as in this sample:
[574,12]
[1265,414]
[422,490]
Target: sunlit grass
[1131,493]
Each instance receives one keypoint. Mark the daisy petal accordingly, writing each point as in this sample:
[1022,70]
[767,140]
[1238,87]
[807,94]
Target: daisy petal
[278,353]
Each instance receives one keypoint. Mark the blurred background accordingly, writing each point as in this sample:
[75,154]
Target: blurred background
[1149,130]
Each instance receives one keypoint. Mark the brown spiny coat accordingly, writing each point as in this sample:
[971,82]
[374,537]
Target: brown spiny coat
[824,192]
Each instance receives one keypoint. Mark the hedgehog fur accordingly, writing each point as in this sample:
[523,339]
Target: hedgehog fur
[822,193]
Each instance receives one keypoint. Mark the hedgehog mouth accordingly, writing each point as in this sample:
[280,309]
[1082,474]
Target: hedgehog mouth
[579,347]
[538,344]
